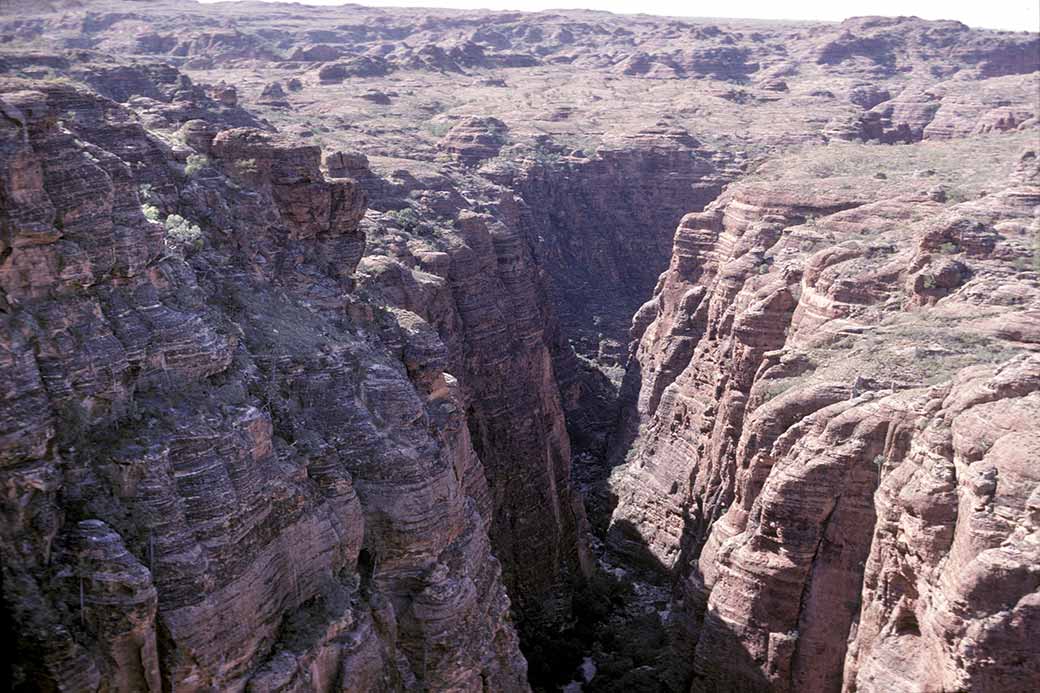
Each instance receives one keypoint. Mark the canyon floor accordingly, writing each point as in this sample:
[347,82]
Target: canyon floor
[355,349]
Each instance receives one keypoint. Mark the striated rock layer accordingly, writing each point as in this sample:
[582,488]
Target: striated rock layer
[307,309]
[481,291]
[221,471]
[830,438]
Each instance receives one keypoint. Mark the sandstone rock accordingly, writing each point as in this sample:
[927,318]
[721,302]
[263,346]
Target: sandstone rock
[377,97]
[199,135]
[284,443]
[226,95]
[358,66]
[317,53]
[474,139]
[311,205]
[346,164]
[236,488]
[758,467]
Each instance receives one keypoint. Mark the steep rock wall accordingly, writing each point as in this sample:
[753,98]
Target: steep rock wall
[221,470]
[481,291]
[823,416]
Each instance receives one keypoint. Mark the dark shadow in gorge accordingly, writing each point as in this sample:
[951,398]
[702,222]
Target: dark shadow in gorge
[594,463]
[641,624]
[7,641]
[618,623]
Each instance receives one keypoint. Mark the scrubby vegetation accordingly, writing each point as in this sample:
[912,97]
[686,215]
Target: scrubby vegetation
[963,168]
[181,234]
[195,163]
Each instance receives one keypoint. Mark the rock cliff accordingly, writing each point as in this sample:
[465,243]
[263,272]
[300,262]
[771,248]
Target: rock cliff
[823,416]
[221,470]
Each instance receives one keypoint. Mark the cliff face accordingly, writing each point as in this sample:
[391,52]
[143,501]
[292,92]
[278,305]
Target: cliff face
[305,312]
[221,470]
[479,289]
[828,433]
[601,225]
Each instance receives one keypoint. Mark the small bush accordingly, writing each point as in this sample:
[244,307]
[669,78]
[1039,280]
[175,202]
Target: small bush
[438,128]
[407,219]
[949,248]
[150,211]
[195,163]
[181,234]
[246,167]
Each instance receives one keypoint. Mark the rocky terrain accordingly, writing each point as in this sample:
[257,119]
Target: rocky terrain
[367,349]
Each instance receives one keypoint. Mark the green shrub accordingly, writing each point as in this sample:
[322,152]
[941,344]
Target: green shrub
[195,163]
[181,234]
[438,128]
[407,219]
[150,211]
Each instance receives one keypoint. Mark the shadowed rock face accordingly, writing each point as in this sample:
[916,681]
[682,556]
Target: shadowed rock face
[305,312]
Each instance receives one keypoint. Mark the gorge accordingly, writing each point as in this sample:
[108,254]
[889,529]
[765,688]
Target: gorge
[357,349]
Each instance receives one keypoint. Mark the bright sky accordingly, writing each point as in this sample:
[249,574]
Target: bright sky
[996,14]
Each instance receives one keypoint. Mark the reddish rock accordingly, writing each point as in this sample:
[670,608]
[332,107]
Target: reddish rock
[342,501]
[474,139]
[807,480]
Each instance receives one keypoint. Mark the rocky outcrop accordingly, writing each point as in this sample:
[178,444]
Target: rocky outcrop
[964,497]
[947,110]
[474,139]
[812,467]
[357,66]
[214,478]
[883,45]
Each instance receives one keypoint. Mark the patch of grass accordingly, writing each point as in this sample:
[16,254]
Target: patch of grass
[964,168]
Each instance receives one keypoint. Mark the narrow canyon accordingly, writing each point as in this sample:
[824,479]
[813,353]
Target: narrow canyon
[357,349]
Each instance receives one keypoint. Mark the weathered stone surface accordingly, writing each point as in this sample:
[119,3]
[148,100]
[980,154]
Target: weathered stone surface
[240,495]
[810,484]
[474,139]
[482,295]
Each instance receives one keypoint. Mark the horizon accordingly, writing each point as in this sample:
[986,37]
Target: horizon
[1004,15]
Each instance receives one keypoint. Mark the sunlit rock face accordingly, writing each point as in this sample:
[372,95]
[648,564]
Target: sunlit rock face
[814,466]
[216,477]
